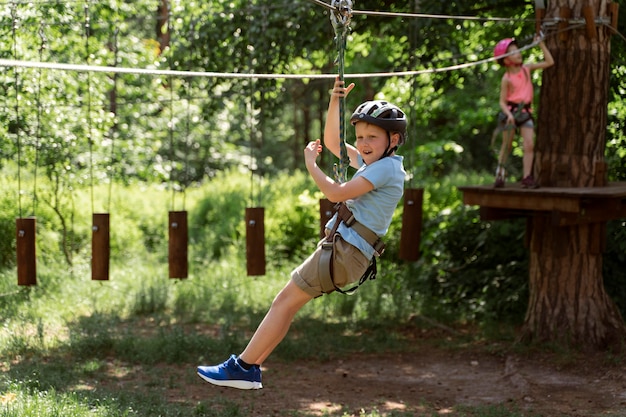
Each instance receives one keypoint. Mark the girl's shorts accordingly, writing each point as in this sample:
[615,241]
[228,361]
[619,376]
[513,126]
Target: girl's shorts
[523,119]
[349,265]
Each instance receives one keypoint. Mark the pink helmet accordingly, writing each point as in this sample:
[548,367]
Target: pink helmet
[502,46]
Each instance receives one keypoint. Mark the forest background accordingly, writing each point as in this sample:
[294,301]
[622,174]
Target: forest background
[136,145]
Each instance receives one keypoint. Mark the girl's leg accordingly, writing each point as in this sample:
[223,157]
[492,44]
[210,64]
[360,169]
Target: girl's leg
[528,134]
[276,323]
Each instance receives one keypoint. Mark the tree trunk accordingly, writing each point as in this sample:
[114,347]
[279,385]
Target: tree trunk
[163,25]
[568,303]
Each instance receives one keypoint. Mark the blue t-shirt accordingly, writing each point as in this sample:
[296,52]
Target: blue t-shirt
[374,209]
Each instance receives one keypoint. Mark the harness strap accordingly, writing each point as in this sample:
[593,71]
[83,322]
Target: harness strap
[344,215]
[518,106]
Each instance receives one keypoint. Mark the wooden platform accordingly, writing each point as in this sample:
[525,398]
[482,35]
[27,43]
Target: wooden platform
[567,206]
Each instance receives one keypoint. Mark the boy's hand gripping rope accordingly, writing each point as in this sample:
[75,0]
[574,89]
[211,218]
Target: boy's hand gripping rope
[340,17]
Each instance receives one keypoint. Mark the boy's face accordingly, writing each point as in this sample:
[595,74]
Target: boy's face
[516,57]
[372,141]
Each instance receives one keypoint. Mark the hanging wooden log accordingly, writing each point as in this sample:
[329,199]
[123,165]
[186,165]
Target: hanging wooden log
[178,241]
[26,253]
[100,247]
[255,240]
[327,209]
[410,237]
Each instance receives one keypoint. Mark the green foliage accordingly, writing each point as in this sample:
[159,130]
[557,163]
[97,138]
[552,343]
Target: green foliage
[477,277]
[7,230]
[614,260]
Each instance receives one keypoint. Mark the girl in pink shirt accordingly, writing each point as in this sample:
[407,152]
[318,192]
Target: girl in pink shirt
[516,97]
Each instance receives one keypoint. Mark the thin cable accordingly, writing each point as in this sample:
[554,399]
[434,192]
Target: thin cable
[89,131]
[187,151]
[42,47]
[205,74]
[171,137]
[113,130]
[422,15]
[617,32]
[17,111]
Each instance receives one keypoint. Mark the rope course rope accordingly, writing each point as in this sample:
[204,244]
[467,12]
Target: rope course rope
[42,48]
[340,19]
[333,8]
[574,24]
[17,125]
[209,74]
[89,127]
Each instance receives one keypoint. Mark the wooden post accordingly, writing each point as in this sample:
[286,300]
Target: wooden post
[564,13]
[540,13]
[100,247]
[327,209]
[26,253]
[590,21]
[614,13]
[178,241]
[410,237]
[255,240]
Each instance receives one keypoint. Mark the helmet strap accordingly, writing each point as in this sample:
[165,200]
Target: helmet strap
[389,150]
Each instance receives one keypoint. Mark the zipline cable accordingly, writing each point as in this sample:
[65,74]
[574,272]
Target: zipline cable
[333,8]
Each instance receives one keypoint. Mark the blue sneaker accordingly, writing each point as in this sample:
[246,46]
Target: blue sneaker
[231,374]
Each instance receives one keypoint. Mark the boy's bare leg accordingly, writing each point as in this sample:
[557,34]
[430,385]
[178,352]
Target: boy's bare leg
[276,323]
[529,150]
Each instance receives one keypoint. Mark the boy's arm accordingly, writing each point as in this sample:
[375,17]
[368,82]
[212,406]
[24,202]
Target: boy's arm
[333,190]
[331,127]
[547,62]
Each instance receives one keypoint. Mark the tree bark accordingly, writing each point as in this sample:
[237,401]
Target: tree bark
[568,303]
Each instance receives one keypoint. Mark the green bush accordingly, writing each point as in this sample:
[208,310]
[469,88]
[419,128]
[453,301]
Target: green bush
[7,230]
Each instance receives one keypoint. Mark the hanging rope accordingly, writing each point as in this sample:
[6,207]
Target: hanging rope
[340,19]
[42,47]
[17,124]
[89,127]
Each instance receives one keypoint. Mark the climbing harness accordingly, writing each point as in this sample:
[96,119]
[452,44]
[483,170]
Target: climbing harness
[340,18]
[328,248]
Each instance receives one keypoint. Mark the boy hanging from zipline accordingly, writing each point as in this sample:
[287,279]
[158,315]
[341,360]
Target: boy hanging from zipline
[369,201]
[516,97]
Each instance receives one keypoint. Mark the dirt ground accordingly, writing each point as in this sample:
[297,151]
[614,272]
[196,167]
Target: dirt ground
[433,382]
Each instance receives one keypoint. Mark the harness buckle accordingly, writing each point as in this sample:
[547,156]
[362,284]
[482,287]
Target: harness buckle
[379,247]
[326,245]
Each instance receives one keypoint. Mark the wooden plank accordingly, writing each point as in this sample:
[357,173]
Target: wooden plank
[612,189]
[561,199]
[411,234]
[100,246]
[26,253]
[596,211]
[255,240]
[537,202]
[177,245]
[491,213]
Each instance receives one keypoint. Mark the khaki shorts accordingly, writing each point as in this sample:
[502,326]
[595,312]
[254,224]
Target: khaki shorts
[349,265]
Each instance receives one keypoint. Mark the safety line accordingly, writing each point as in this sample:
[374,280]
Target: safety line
[423,15]
[205,74]
[124,70]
